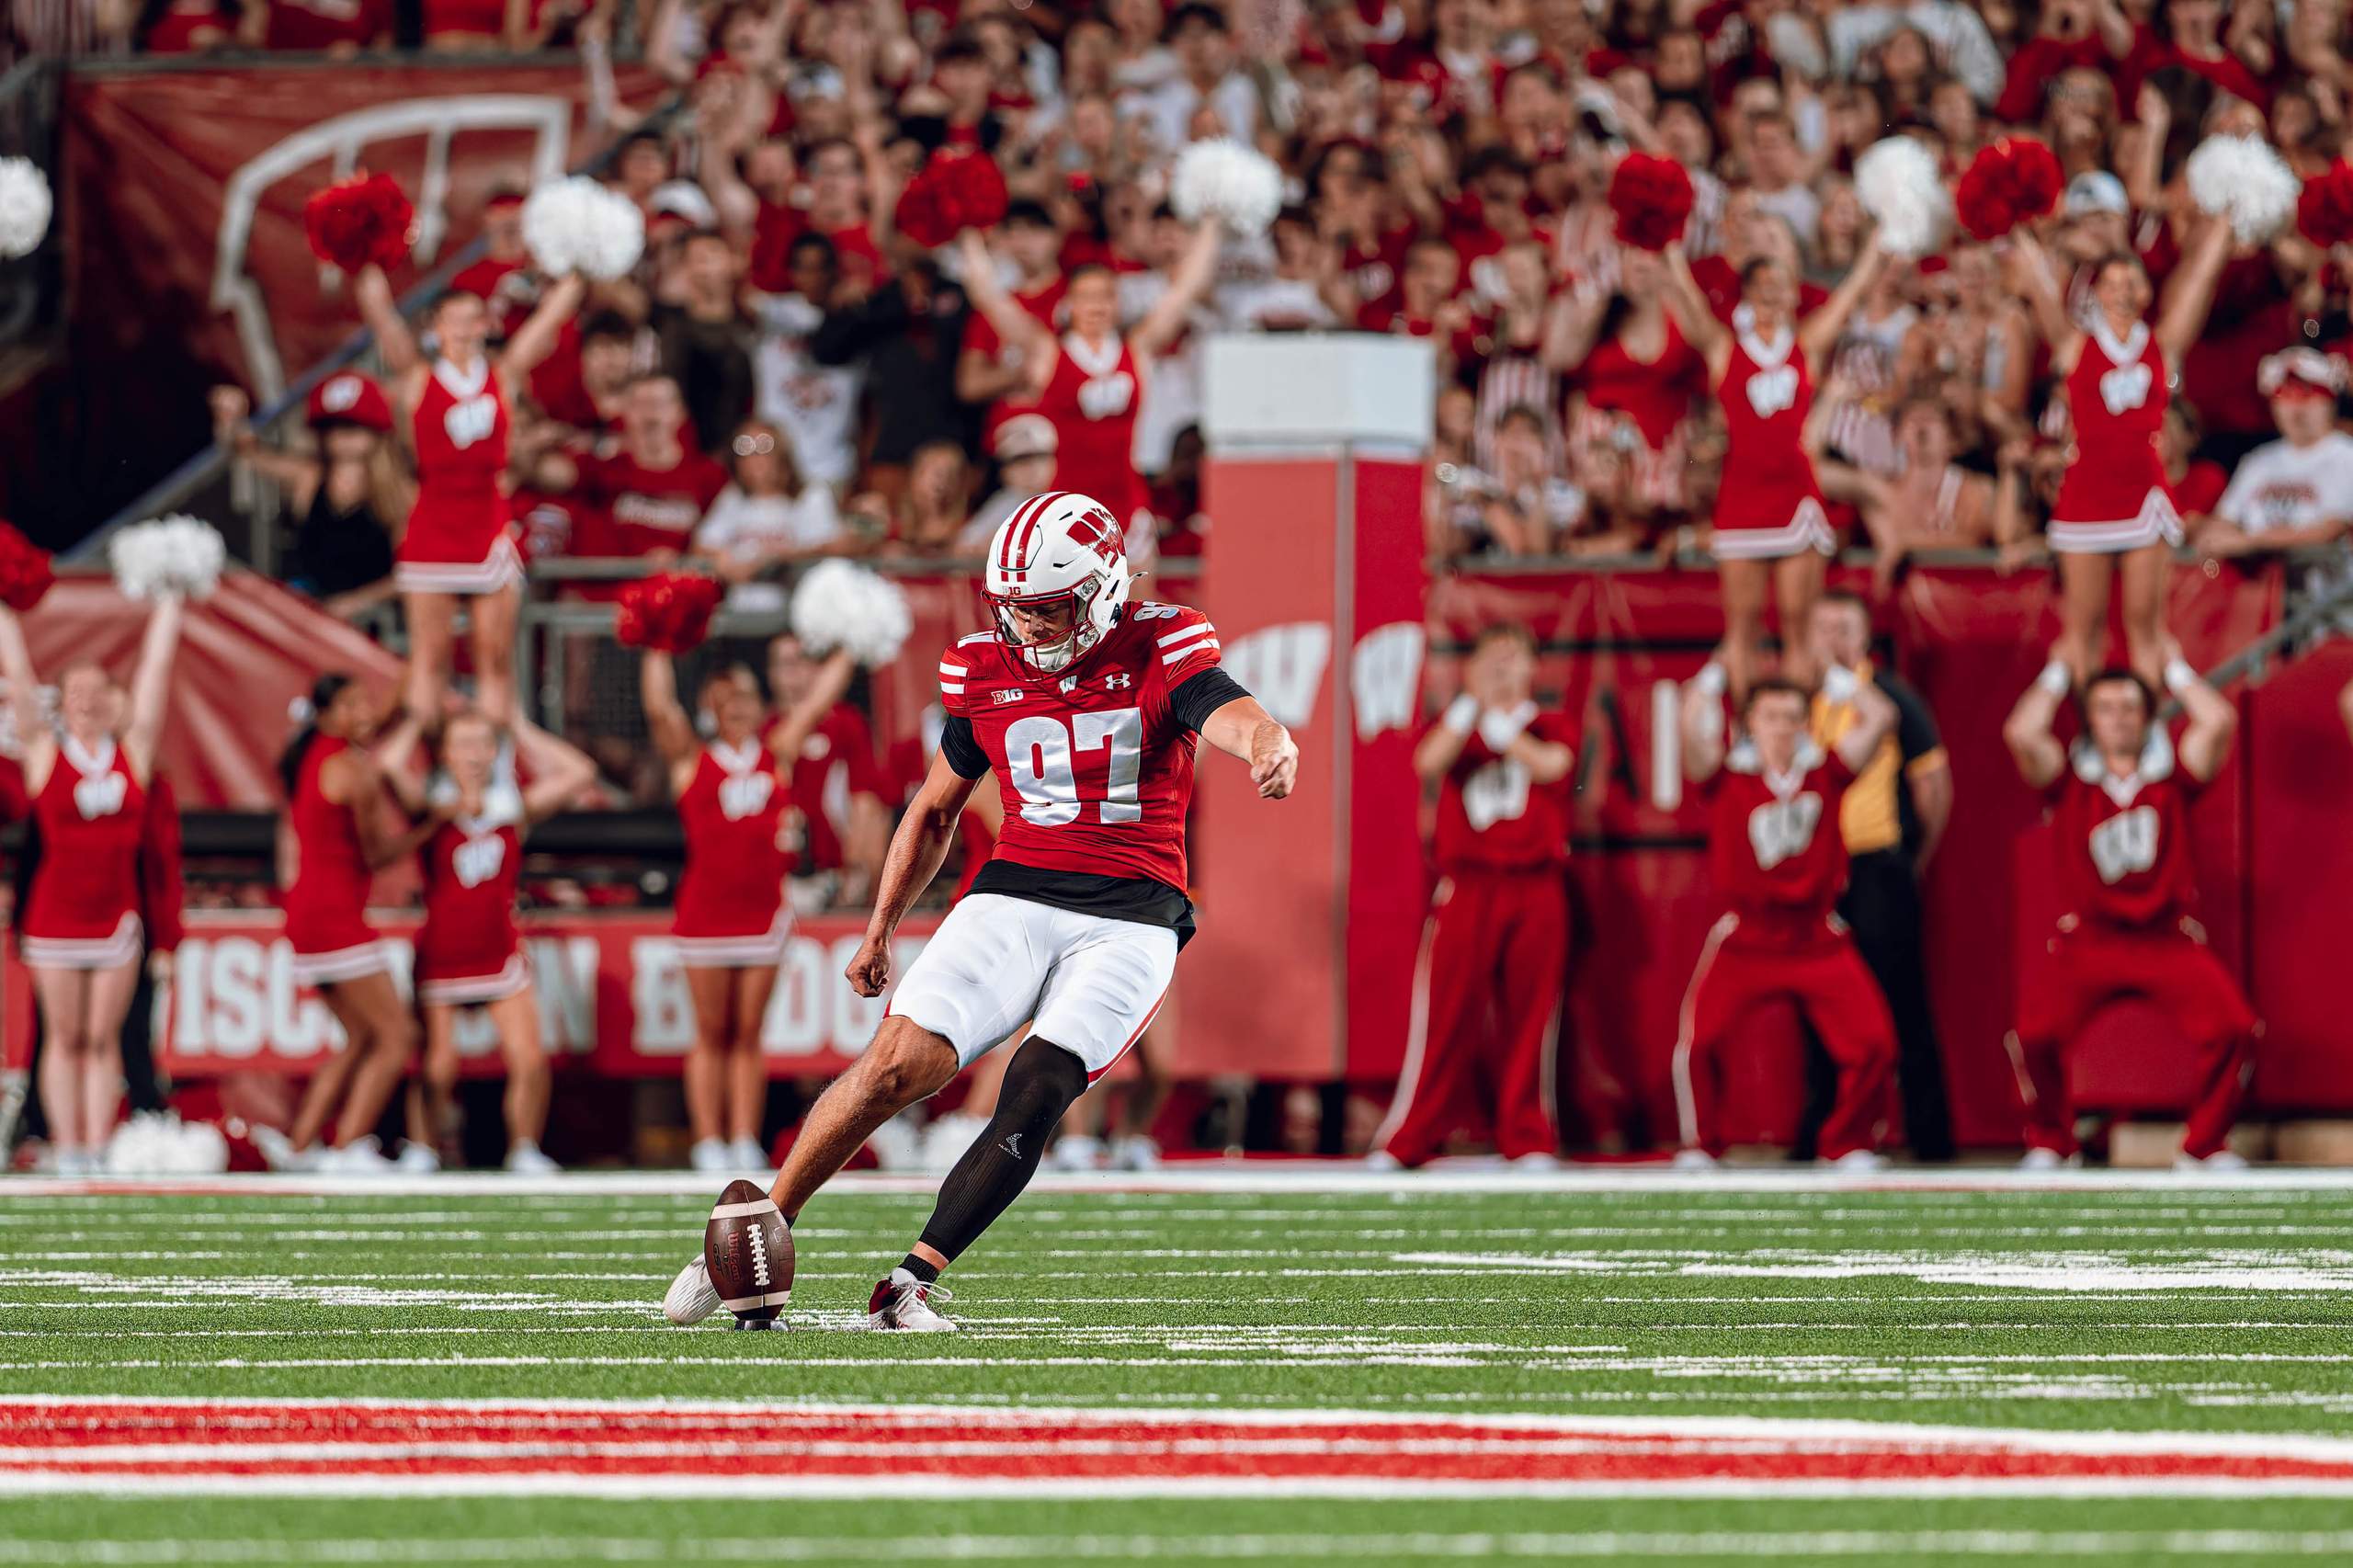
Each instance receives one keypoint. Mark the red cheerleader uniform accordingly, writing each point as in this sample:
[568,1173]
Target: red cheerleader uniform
[1094,398]
[468,951]
[2114,497]
[731,911]
[1640,409]
[458,540]
[327,909]
[1768,505]
[83,911]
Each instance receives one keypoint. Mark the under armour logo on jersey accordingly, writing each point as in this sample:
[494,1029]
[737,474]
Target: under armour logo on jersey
[1780,829]
[2125,843]
[1117,682]
[1012,1144]
[1006,694]
[2126,387]
[1770,391]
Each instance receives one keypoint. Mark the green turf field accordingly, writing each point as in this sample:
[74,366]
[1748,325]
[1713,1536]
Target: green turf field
[2067,1309]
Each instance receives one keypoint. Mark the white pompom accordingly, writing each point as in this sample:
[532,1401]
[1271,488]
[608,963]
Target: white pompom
[2241,179]
[24,207]
[577,225]
[1224,179]
[841,606]
[1897,183]
[173,557]
[159,1143]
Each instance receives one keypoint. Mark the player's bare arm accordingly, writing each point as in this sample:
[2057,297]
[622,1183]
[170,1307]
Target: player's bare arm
[1244,729]
[919,846]
[1874,716]
[2027,733]
[1701,723]
[2214,722]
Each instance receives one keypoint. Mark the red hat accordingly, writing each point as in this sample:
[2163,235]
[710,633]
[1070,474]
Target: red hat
[2300,372]
[349,398]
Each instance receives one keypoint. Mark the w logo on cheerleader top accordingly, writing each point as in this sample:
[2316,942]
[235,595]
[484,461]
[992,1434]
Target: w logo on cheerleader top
[2126,387]
[1773,391]
[99,795]
[1780,829]
[471,419]
[477,860]
[745,795]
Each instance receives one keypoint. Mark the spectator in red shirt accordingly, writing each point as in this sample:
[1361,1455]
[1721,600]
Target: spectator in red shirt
[654,490]
[327,26]
[988,370]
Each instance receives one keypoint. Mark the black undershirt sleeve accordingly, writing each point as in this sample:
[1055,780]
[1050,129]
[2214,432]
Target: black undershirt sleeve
[1203,695]
[962,749]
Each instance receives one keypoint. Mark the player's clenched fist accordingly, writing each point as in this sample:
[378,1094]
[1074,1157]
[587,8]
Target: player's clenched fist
[870,971]
[1274,762]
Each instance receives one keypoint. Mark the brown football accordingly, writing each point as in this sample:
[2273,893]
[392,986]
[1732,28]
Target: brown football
[748,1250]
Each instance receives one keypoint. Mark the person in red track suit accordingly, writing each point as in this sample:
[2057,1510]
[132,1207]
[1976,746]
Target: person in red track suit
[1089,708]
[1778,863]
[86,781]
[2115,515]
[1772,536]
[2120,803]
[454,414]
[468,951]
[1487,991]
[332,842]
[1091,379]
[734,796]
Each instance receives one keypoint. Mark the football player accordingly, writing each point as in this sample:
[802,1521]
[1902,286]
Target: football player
[1088,706]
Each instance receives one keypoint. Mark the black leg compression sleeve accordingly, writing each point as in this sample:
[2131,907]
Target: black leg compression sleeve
[1040,1085]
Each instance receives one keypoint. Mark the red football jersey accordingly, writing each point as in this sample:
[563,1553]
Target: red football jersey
[1774,847]
[473,869]
[2123,843]
[1492,816]
[1094,398]
[1095,769]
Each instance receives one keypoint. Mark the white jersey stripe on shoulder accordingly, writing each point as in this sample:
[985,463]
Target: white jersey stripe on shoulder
[948,669]
[970,638]
[952,687]
[1203,629]
[1181,654]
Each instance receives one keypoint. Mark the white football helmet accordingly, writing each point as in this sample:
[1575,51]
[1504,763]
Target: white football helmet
[1056,547]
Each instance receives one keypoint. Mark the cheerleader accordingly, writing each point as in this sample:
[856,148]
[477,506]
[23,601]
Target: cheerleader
[455,414]
[332,842]
[2115,515]
[1772,537]
[87,778]
[734,796]
[1090,382]
[468,952]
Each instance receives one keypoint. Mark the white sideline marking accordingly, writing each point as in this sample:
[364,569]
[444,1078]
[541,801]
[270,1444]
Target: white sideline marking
[2058,1271]
[1266,1177]
[1286,1548]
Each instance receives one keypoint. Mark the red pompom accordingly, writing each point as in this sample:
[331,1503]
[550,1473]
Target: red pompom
[953,191]
[366,218]
[2014,180]
[2324,211]
[669,612]
[1651,198]
[25,575]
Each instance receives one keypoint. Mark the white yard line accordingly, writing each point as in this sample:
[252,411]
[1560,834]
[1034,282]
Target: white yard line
[1261,1177]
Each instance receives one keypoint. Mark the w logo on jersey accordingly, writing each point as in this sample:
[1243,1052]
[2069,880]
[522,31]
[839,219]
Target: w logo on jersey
[1107,397]
[478,860]
[745,795]
[1497,792]
[2126,387]
[1780,829]
[2125,843]
[471,419]
[1771,392]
